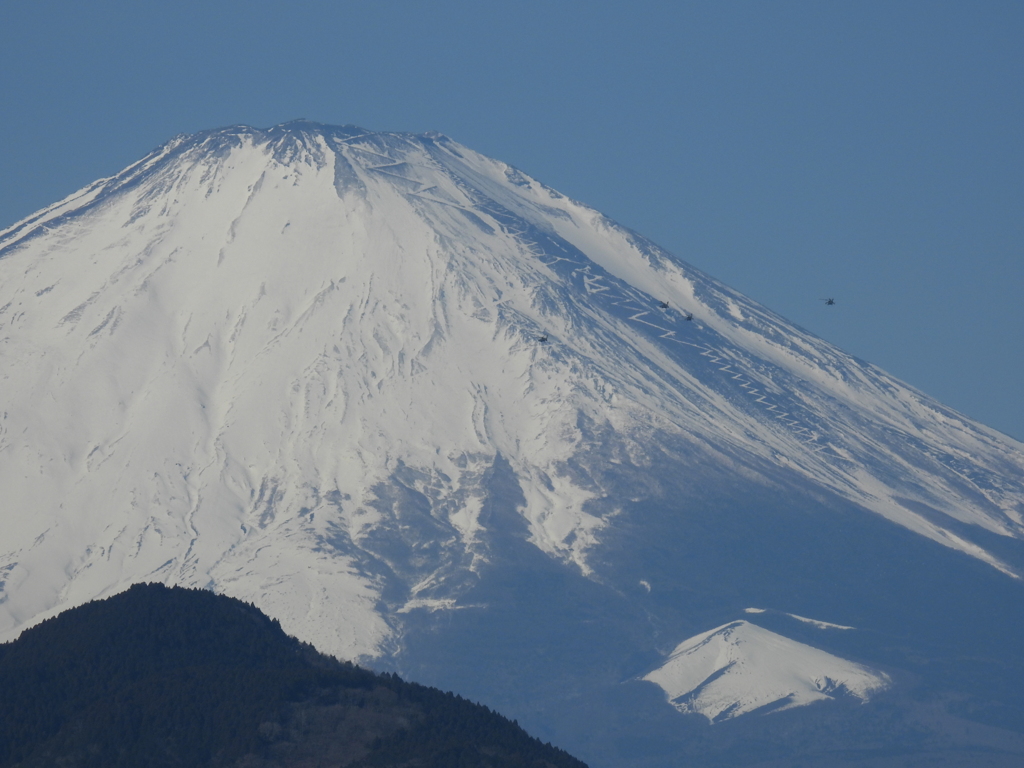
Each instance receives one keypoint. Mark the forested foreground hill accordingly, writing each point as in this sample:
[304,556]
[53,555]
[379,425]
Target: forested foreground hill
[160,676]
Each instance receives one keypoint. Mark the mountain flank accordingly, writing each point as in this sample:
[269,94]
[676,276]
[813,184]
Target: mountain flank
[166,676]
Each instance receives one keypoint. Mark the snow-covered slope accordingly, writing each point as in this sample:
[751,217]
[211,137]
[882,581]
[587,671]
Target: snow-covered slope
[304,367]
[740,667]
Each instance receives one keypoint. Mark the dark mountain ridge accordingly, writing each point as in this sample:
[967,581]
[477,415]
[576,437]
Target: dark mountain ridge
[166,676]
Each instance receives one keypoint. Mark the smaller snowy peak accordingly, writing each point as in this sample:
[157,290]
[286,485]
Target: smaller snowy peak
[740,668]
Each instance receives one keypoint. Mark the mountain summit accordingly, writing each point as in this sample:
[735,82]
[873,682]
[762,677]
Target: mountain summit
[429,413]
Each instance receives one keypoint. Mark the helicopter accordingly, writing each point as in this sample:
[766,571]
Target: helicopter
[663,305]
[828,302]
[542,338]
[688,316]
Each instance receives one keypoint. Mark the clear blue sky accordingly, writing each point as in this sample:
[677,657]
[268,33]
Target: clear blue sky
[870,151]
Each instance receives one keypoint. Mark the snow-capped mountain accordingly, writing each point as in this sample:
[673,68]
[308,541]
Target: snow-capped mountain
[432,414]
[740,667]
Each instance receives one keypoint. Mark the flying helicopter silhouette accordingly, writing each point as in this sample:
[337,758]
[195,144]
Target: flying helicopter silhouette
[828,302]
[663,305]
[689,316]
[542,338]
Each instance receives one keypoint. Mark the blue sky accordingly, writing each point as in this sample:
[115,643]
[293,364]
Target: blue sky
[870,151]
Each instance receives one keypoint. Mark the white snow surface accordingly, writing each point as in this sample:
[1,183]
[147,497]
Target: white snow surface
[738,668]
[804,619]
[224,366]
